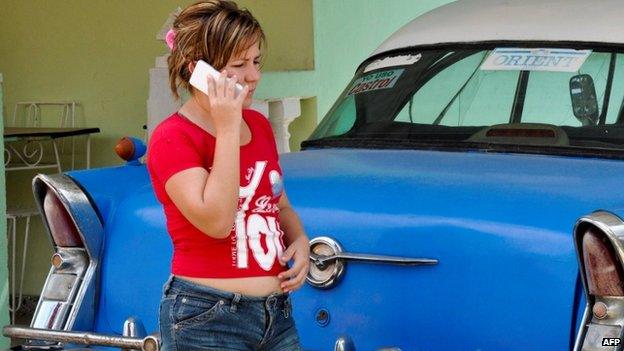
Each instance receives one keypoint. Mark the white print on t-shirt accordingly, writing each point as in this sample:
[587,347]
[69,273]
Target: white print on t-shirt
[276,183]
[264,205]
[249,173]
[248,232]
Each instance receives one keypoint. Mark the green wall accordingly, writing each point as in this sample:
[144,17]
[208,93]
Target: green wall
[4,273]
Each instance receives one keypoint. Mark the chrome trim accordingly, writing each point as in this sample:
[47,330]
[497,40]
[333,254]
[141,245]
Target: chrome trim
[336,268]
[91,231]
[344,343]
[74,260]
[61,287]
[580,335]
[615,307]
[52,346]
[77,205]
[149,343]
[47,308]
[134,328]
[78,265]
[70,258]
[320,261]
[613,228]
[336,261]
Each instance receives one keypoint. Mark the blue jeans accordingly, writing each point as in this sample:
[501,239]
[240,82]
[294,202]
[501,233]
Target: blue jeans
[196,317]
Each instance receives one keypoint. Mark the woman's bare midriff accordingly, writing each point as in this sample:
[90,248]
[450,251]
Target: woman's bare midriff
[252,286]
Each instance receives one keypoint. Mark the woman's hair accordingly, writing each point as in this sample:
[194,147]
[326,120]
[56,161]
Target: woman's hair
[213,31]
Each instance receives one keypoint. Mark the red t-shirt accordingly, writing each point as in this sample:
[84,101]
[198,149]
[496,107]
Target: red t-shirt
[255,243]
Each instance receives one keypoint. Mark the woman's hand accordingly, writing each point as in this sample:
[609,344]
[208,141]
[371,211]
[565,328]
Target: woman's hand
[299,252]
[223,104]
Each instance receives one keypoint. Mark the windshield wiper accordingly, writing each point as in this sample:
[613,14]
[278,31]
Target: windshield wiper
[607,96]
[446,108]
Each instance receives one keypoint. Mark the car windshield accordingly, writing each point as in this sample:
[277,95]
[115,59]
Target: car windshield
[542,99]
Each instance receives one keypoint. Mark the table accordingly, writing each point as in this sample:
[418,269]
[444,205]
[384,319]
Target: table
[32,153]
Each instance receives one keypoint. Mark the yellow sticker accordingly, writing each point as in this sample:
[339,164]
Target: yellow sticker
[375,81]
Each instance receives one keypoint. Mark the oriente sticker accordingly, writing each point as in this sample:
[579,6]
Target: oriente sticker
[553,60]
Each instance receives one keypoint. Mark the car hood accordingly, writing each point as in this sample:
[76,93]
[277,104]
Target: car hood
[499,224]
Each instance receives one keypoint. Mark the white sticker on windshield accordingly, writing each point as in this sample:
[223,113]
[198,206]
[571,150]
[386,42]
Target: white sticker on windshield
[393,61]
[553,60]
[375,81]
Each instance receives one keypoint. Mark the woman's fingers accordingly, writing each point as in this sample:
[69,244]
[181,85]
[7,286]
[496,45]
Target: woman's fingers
[222,84]
[293,271]
[230,89]
[225,87]
[222,99]
[212,87]
[295,276]
[296,282]
[243,94]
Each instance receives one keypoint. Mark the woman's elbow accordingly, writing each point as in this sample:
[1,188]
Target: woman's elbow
[215,224]
[217,229]
[221,233]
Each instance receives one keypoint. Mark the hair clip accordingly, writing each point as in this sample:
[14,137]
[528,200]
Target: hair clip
[169,38]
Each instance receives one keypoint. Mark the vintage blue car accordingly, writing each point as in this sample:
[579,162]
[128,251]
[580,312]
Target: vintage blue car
[463,193]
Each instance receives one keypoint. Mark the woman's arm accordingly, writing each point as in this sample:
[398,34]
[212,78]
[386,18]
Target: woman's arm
[210,200]
[298,248]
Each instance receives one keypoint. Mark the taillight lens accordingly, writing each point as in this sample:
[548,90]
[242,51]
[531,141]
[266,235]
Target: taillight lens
[62,227]
[603,272]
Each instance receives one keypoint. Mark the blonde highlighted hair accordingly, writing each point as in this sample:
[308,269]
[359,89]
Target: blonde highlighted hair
[213,31]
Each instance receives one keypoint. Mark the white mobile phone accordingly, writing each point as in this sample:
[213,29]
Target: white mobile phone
[200,75]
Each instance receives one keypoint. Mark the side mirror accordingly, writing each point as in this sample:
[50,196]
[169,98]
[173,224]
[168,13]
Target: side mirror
[584,101]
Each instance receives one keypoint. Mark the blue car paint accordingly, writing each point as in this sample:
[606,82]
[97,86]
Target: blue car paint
[499,224]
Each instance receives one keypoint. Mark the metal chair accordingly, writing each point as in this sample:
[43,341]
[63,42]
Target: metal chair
[13,216]
[37,114]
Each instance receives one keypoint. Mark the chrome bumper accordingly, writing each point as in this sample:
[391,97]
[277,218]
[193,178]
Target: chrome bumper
[149,343]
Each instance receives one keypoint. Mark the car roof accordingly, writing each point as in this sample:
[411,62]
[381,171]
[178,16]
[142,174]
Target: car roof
[470,21]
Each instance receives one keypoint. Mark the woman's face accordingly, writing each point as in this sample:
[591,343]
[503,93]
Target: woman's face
[246,67]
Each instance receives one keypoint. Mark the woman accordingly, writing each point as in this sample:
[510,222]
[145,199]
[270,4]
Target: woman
[214,167]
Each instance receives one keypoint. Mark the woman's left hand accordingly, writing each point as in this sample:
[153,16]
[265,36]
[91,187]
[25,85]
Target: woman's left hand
[299,252]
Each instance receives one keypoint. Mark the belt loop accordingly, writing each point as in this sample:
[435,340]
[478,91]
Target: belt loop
[271,301]
[287,307]
[235,302]
[167,285]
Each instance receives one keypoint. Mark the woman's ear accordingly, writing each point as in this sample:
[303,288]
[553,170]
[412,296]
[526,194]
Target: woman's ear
[191,66]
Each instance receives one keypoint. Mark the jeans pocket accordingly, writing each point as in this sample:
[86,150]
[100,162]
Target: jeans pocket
[188,310]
